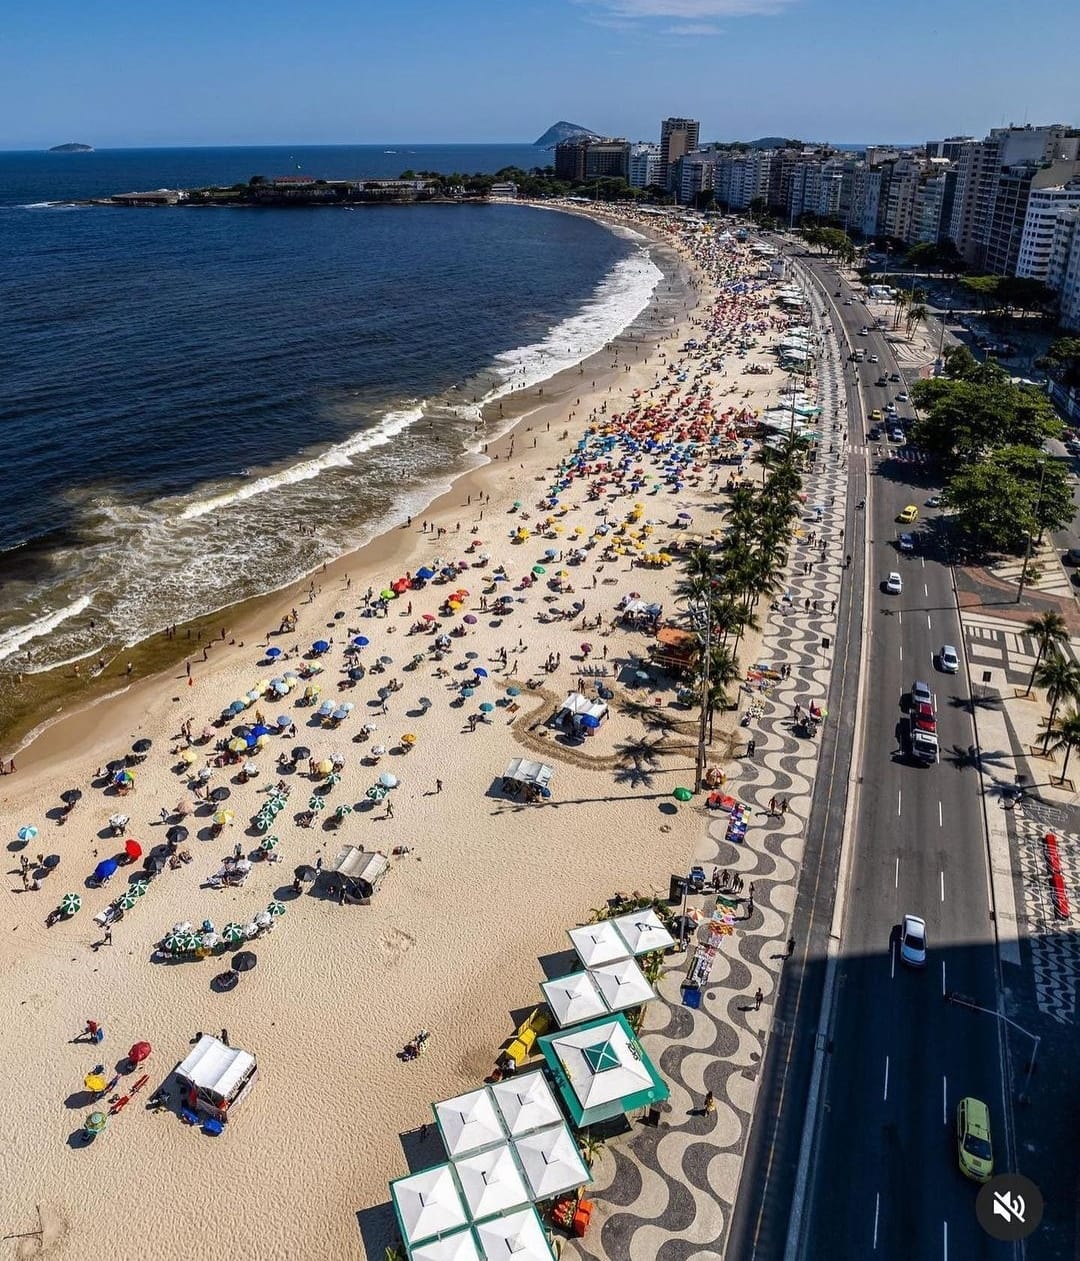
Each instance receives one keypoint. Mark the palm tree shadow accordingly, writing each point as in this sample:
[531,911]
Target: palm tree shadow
[971,758]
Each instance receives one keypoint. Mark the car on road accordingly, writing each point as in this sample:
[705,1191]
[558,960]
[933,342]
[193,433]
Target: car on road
[894,376]
[923,717]
[908,514]
[934,501]
[974,1149]
[896,435]
[948,659]
[1071,557]
[902,397]
[921,694]
[848,302]
[913,941]
[906,542]
[882,381]
[864,332]
[876,414]
[873,359]
[894,584]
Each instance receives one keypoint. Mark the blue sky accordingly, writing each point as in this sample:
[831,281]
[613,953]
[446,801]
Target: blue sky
[208,72]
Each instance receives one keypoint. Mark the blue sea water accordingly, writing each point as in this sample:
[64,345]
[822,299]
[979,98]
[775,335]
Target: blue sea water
[185,388]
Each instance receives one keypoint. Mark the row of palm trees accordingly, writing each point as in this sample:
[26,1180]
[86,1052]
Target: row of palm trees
[1061,678]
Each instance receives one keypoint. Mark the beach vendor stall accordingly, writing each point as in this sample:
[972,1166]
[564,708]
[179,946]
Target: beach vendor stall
[355,873]
[215,1077]
[580,715]
[533,779]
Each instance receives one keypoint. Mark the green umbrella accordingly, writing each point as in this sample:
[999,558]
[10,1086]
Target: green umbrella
[276,908]
[539,570]
[316,803]
[233,933]
[190,942]
[682,794]
[386,594]
[175,943]
[137,888]
[70,903]
[343,810]
[333,778]
[127,901]
[269,842]
[96,1122]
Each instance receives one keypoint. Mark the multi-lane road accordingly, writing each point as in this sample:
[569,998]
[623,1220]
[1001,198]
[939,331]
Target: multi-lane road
[883,1177]
[885,1180]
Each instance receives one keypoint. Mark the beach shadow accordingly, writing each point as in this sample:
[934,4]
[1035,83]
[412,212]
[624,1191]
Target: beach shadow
[422,1147]
[80,1138]
[81,1099]
[378,1228]
[558,963]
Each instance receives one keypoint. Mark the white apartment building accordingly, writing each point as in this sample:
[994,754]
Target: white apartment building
[1063,268]
[865,200]
[1040,224]
[644,165]
[693,175]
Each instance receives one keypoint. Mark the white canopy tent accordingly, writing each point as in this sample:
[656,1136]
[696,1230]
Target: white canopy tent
[643,931]
[427,1204]
[598,943]
[491,1182]
[525,1103]
[622,984]
[573,998]
[514,1237]
[551,1161]
[468,1122]
[460,1246]
[600,1064]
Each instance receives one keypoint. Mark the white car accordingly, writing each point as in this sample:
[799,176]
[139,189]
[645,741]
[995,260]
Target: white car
[902,397]
[873,359]
[848,302]
[913,941]
[894,584]
[864,332]
[949,660]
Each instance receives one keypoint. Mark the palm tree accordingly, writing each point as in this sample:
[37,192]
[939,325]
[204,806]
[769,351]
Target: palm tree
[590,1147]
[1061,678]
[915,316]
[1066,735]
[1049,629]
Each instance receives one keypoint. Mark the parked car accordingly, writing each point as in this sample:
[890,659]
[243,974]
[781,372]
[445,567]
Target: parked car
[894,376]
[1071,557]
[934,501]
[908,515]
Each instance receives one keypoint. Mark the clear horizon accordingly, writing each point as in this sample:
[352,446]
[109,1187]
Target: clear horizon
[121,75]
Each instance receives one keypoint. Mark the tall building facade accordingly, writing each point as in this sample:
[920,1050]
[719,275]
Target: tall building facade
[678,136]
[1044,206]
[579,161]
[1063,270]
[644,165]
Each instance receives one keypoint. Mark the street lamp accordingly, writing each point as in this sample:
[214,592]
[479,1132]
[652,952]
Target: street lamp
[962,1000]
[1027,549]
[696,615]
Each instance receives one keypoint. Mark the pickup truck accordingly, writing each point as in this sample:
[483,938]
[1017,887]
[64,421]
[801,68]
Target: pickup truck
[924,744]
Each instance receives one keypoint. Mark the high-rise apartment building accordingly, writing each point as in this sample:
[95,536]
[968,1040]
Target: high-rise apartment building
[1063,270]
[1044,205]
[588,159]
[644,165]
[677,137]
[694,174]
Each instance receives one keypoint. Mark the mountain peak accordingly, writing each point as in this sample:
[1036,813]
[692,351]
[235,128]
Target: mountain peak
[560,131]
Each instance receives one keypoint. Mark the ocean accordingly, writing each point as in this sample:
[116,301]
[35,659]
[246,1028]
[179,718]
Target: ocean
[202,405]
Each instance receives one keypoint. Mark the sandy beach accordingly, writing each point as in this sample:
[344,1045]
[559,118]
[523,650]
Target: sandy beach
[483,885]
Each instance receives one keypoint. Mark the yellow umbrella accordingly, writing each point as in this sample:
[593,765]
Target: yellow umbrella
[261,742]
[579,529]
[237,745]
[262,686]
[325,766]
[408,738]
[95,1082]
[222,817]
[189,756]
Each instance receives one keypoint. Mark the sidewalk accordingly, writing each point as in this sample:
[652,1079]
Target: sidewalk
[681,1178]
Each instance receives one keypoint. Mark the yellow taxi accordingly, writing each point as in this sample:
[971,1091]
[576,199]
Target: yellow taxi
[876,414]
[909,514]
[973,1148]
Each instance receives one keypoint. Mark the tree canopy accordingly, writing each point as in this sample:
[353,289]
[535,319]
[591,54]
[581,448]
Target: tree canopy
[998,501]
[1062,361]
[963,420]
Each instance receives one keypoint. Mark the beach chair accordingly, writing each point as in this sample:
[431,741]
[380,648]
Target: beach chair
[212,1126]
[188,1117]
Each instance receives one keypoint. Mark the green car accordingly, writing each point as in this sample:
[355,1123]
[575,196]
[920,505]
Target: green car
[973,1147]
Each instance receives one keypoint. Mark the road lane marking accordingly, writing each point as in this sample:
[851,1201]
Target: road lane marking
[892,960]
[939,822]
[877,1211]
[899,799]
[926,593]
[930,628]
[943,978]
[901,646]
[943,886]
[900,615]
[885,1097]
[896,879]
[945,1101]
[945,1241]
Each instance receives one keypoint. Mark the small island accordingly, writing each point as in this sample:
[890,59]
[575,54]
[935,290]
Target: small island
[71,147]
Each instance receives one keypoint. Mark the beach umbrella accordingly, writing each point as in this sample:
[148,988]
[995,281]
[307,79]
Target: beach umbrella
[316,803]
[361,641]
[127,901]
[142,746]
[325,766]
[379,750]
[242,865]
[513,691]
[238,707]
[188,757]
[176,834]
[469,619]
[205,774]
[425,573]
[320,645]
[233,933]
[50,862]
[343,810]
[486,707]
[189,941]
[244,960]
[480,672]
[96,1123]
[175,943]
[210,941]
[539,570]
[424,702]
[276,909]
[386,661]
[682,794]
[238,745]
[27,833]
[326,709]
[283,720]
[139,1052]
[251,768]
[223,817]
[132,849]
[72,795]
[331,780]
[251,930]
[105,869]
[95,1082]
[387,780]
[301,753]
[70,903]
[340,713]
[263,919]
[138,888]
[272,654]
[408,739]
[468,691]
[386,594]
[269,842]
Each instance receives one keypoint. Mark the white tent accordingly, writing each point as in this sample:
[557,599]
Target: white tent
[622,984]
[468,1122]
[577,706]
[427,1204]
[514,1237]
[643,931]
[573,998]
[490,1182]
[598,943]
[526,1103]
[552,1161]
[600,1063]
[460,1246]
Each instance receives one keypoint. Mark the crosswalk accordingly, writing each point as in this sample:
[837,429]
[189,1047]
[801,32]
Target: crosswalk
[993,642]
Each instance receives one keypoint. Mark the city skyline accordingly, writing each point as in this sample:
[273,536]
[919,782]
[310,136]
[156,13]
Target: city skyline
[254,75]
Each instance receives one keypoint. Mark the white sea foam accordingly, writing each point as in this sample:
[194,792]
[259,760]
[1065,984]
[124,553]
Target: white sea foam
[337,456]
[11,641]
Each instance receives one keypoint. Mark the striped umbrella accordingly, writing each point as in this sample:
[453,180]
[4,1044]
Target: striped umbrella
[27,833]
[96,1122]
[316,803]
[233,933]
[175,943]
[70,903]
[276,909]
[127,901]
[190,942]
[138,888]
[343,810]
[269,842]
[333,778]
[263,919]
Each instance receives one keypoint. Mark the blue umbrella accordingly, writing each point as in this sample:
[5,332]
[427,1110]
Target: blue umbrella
[481,673]
[27,833]
[283,720]
[105,869]
[425,573]
[273,653]
[260,730]
[320,645]
[467,691]
[361,641]
[238,707]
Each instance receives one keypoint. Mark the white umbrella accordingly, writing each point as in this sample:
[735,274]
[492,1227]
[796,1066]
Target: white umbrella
[516,1236]
[573,998]
[622,984]
[598,943]
[490,1182]
[525,1103]
[427,1203]
[643,931]
[460,1246]
[468,1122]
[551,1161]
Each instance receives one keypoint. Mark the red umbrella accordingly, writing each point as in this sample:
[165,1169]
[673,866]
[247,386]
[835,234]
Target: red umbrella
[429,617]
[139,1052]
[133,849]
